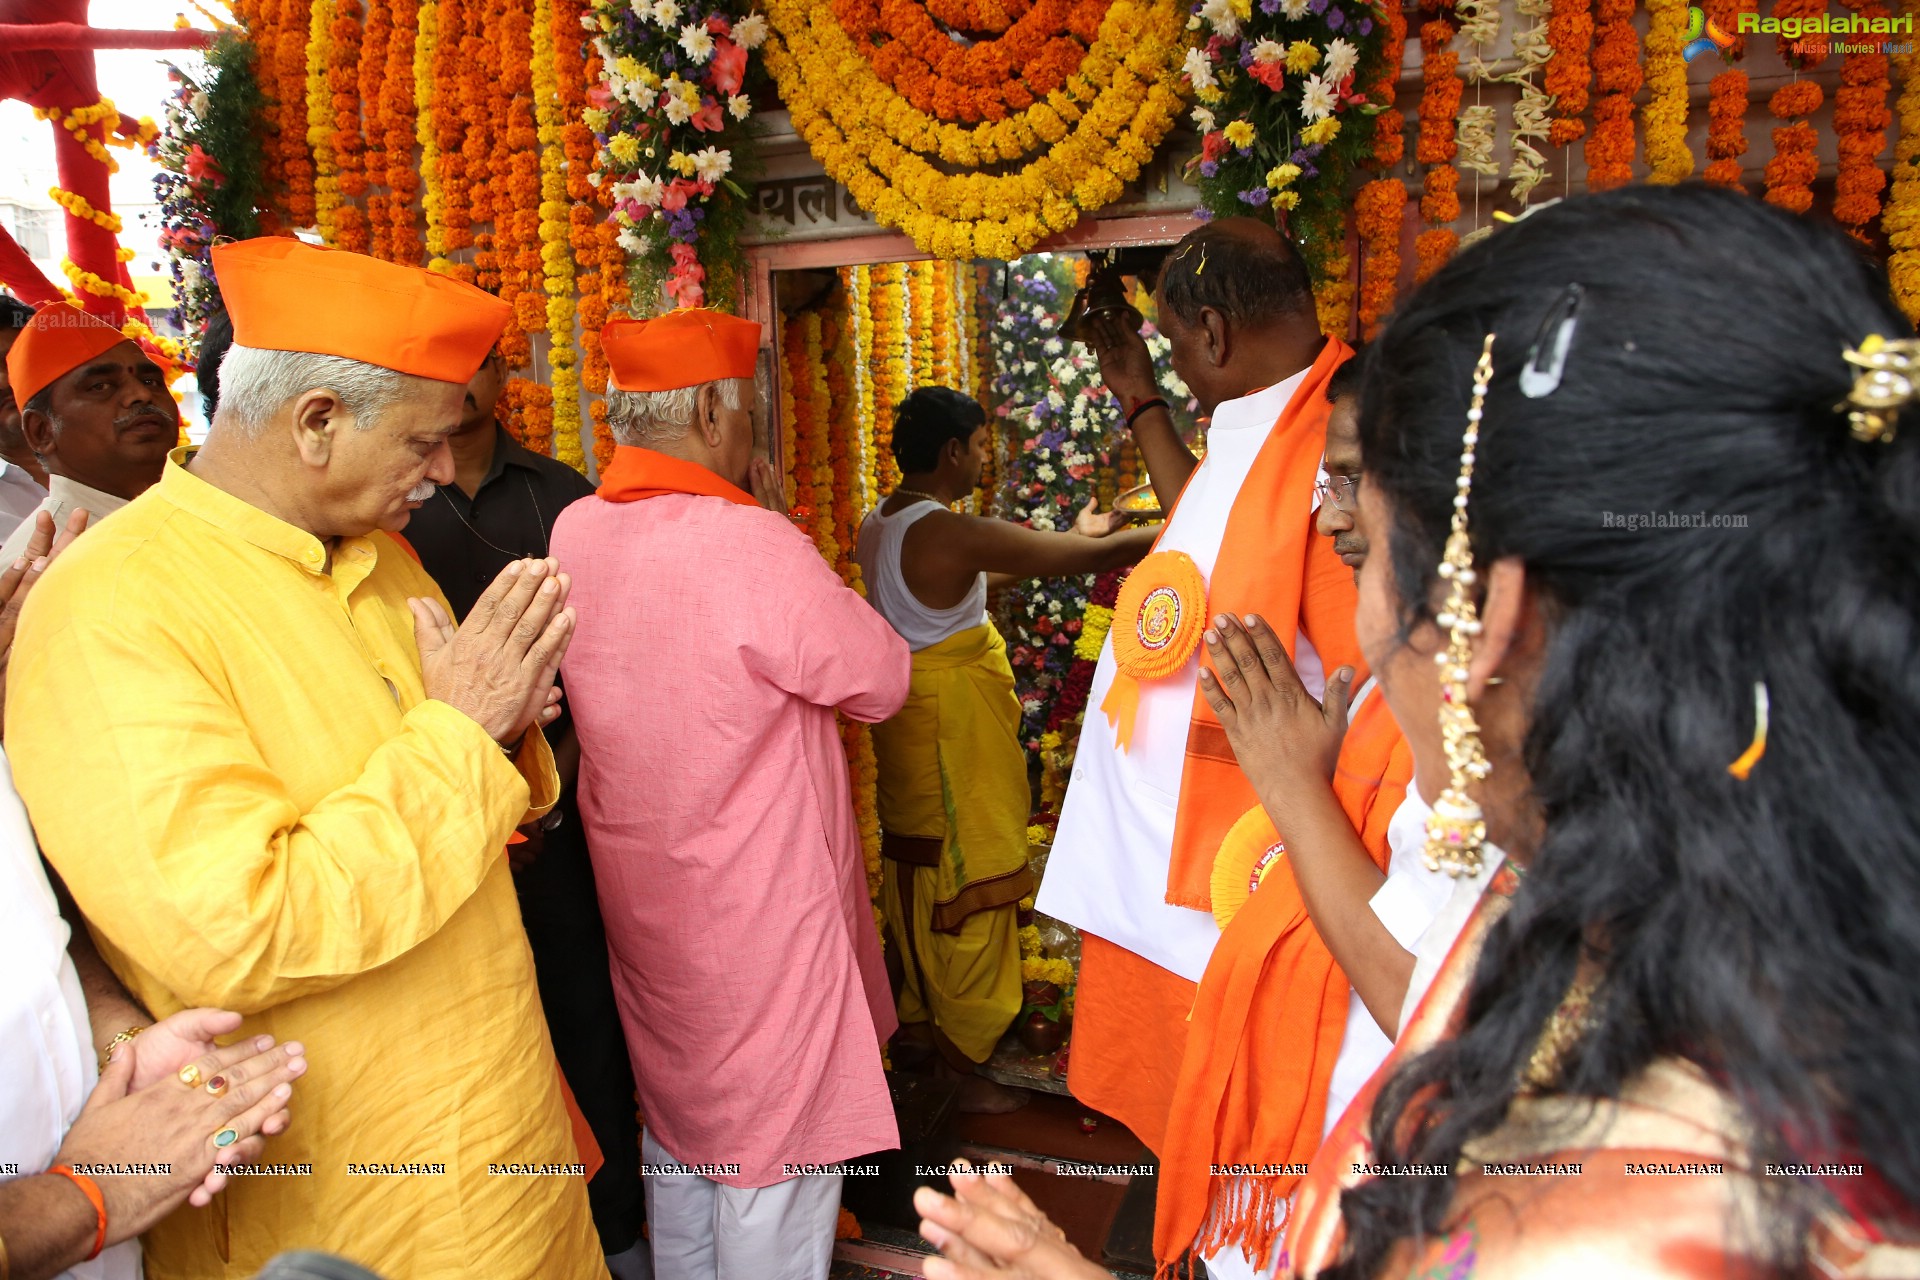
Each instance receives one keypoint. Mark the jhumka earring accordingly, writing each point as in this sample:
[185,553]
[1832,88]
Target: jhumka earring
[1456,829]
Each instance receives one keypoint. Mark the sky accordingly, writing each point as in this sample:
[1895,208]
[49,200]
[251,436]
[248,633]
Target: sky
[136,80]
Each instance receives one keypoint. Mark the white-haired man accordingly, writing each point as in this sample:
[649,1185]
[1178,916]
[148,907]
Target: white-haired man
[278,780]
[714,646]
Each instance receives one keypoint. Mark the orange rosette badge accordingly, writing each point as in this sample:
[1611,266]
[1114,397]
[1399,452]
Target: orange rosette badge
[1251,848]
[1157,623]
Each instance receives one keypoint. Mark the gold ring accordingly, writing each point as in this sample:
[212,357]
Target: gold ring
[190,1076]
[217,1086]
[226,1137]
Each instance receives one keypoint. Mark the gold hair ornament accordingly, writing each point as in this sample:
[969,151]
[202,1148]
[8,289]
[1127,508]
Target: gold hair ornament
[1883,386]
[1456,829]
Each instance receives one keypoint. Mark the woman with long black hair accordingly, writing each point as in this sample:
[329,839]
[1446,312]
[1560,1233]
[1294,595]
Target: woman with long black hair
[1644,593]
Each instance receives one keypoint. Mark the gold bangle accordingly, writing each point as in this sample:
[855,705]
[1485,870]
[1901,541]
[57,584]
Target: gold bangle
[106,1056]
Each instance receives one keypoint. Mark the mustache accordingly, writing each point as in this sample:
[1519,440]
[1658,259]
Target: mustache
[1346,544]
[141,412]
[422,491]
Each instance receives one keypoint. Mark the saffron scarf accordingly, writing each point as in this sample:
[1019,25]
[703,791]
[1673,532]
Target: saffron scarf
[1266,1029]
[1273,564]
[636,474]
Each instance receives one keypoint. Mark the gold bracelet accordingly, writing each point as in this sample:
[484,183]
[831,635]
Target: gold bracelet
[106,1056]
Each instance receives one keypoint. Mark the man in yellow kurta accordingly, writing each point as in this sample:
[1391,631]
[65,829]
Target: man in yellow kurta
[278,780]
[953,798]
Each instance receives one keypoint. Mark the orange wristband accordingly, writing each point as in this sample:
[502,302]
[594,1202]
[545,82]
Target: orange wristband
[92,1191]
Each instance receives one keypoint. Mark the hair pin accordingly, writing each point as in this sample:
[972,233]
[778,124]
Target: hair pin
[1203,261]
[1553,342]
[1758,747]
[1883,386]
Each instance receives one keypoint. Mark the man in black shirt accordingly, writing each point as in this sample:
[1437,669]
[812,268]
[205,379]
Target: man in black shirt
[501,507]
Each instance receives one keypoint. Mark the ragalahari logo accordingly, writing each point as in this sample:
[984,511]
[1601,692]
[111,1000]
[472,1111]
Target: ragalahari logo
[1704,35]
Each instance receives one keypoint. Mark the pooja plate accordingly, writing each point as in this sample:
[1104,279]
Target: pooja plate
[1138,502]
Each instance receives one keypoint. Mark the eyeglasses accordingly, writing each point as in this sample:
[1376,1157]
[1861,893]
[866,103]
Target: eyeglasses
[1342,491]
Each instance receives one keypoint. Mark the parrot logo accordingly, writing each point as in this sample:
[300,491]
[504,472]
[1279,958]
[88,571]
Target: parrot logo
[1704,35]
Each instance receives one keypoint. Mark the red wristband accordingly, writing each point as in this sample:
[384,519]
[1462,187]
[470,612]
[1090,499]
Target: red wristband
[92,1191]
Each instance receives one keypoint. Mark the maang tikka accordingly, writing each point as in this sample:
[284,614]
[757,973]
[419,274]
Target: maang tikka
[1456,829]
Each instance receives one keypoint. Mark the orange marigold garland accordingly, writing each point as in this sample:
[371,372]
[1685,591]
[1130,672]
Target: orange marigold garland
[289,61]
[1727,100]
[1378,212]
[1902,218]
[402,177]
[485,103]
[982,79]
[1860,120]
[1616,77]
[349,148]
[1570,70]
[1440,91]
[452,102]
[1389,127]
[375,35]
[1794,166]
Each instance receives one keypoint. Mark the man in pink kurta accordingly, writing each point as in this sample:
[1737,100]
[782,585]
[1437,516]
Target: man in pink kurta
[712,649]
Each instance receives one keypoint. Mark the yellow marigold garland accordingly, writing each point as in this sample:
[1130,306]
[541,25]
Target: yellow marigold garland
[326,183]
[1664,118]
[920,311]
[426,133]
[887,313]
[556,256]
[77,205]
[869,139]
[86,281]
[1901,220]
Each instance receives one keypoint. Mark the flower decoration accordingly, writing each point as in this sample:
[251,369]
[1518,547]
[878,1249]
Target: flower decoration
[1901,221]
[667,121]
[1665,115]
[1570,70]
[1617,77]
[1440,91]
[1794,166]
[1278,102]
[1860,120]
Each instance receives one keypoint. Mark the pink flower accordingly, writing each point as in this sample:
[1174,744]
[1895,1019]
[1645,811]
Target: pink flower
[709,118]
[600,96]
[729,65]
[675,198]
[717,25]
[1213,145]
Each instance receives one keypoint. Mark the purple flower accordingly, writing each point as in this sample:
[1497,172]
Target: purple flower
[1203,214]
[1209,168]
[1269,7]
[1256,197]
[1335,19]
[1317,6]
[1366,26]
[1298,157]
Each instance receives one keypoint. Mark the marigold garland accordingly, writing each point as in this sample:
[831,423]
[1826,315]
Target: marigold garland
[1794,166]
[1901,221]
[887,314]
[865,135]
[397,92]
[349,148]
[982,79]
[1569,70]
[485,104]
[1617,77]
[1379,210]
[1727,99]
[370,115]
[1664,118]
[1860,120]
[326,183]
[1440,90]
[1389,127]
[556,256]
[77,205]
[433,208]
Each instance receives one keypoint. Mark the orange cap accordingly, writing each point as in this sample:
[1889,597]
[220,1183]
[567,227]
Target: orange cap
[286,295]
[59,339]
[683,348]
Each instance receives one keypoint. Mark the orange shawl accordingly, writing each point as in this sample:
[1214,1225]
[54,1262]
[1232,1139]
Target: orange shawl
[1273,564]
[637,473]
[1267,1026]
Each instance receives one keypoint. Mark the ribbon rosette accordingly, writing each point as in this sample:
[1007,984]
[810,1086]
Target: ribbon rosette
[1157,623]
[1250,849]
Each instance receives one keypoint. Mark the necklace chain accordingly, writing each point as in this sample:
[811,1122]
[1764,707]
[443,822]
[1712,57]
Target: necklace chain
[538,516]
[915,493]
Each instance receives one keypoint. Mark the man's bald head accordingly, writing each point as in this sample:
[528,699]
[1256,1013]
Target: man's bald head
[1240,267]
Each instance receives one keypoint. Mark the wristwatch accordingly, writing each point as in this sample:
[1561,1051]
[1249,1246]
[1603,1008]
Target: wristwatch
[106,1054]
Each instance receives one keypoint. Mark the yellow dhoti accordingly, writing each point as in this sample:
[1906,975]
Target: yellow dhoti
[953,802]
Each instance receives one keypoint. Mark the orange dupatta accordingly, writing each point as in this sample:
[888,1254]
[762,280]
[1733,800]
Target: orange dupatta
[1267,1025]
[1273,564]
[636,474]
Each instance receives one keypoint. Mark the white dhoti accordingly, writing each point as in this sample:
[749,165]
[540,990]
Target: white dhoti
[704,1230]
